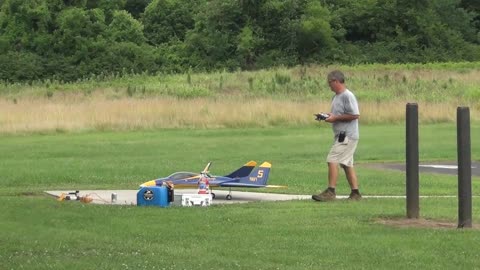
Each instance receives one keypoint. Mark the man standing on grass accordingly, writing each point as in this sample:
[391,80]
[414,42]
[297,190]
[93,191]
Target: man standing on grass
[344,119]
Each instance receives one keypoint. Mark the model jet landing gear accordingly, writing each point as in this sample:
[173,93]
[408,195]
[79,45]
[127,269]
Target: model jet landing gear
[229,195]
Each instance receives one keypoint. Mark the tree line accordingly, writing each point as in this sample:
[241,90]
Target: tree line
[68,40]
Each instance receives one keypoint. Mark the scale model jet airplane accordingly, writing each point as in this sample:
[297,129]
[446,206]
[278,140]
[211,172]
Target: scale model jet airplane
[244,177]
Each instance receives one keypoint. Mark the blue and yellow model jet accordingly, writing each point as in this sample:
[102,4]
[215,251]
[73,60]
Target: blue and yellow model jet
[244,177]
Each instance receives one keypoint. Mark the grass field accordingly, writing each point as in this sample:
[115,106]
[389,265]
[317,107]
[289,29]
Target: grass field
[38,232]
[117,132]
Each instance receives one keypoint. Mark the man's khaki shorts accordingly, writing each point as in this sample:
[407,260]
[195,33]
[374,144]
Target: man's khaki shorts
[342,153]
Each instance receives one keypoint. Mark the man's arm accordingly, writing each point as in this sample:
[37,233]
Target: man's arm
[343,117]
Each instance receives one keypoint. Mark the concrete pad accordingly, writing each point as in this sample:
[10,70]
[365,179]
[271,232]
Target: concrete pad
[129,197]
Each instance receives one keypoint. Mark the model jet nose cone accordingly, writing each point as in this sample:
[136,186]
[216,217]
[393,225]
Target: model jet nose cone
[149,184]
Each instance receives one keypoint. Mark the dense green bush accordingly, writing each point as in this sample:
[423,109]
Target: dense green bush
[20,66]
[70,40]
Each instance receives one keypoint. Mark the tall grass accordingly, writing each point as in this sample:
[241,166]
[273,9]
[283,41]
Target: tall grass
[274,97]
[444,80]
[43,115]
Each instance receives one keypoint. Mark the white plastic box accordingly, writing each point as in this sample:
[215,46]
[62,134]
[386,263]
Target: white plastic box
[196,199]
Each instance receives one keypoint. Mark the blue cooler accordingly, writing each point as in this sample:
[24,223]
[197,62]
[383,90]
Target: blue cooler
[153,196]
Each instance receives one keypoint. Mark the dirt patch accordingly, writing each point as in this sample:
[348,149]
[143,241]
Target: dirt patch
[421,223]
[30,194]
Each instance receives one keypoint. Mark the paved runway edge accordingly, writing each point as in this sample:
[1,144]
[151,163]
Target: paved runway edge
[129,197]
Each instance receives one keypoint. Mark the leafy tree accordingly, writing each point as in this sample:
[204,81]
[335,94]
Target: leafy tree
[108,7]
[76,3]
[123,58]
[76,27]
[280,24]
[124,28]
[315,32]
[456,18]
[71,39]
[252,8]
[25,25]
[212,42]
[405,30]
[20,66]
[172,57]
[248,46]
[165,20]
[136,7]
[80,42]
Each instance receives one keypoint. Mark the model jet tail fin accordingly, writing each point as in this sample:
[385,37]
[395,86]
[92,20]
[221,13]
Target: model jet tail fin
[257,177]
[244,171]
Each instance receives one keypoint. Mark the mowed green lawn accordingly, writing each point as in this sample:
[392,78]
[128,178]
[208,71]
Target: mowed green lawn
[37,232]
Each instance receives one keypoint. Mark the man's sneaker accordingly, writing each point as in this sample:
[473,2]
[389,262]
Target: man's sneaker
[325,196]
[355,196]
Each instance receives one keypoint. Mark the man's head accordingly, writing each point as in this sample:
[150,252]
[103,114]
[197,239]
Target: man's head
[336,81]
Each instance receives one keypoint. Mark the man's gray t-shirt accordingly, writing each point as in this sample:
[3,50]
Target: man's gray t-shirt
[346,103]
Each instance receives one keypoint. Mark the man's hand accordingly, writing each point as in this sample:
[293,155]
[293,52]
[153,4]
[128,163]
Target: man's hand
[321,116]
[331,118]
